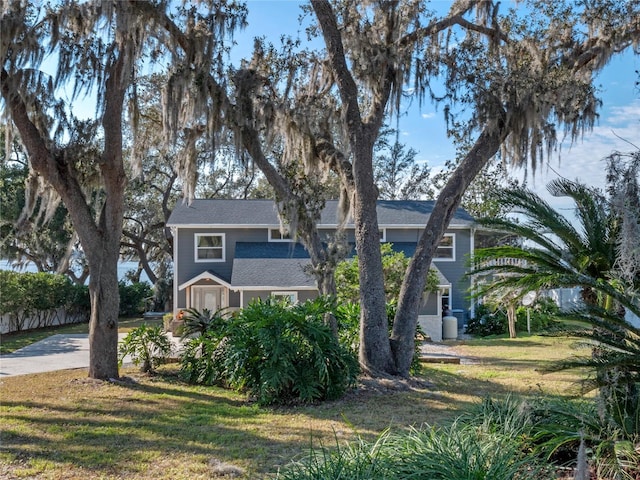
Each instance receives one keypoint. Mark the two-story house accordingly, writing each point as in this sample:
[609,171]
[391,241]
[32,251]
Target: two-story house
[229,252]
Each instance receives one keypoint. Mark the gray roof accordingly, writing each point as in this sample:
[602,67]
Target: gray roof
[273,264]
[271,272]
[226,212]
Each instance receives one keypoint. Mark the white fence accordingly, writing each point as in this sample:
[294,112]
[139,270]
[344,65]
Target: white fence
[15,322]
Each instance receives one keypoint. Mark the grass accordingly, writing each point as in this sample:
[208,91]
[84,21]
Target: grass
[62,425]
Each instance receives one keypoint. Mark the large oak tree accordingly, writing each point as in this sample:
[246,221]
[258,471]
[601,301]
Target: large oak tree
[97,49]
[516,79]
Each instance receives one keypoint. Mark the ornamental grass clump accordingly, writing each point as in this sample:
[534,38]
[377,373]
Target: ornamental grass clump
[490,442]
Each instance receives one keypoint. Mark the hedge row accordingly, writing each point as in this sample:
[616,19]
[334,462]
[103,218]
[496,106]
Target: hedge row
[31,292]
[35,300]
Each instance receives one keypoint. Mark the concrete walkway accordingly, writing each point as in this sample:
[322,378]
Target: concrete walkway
[58,352]
[62,352]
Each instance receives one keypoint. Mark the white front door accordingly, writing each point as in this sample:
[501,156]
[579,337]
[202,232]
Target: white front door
[206,297]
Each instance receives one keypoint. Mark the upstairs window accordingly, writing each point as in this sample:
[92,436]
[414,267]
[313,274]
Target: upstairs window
[446,248]
[275,235]
[209,247]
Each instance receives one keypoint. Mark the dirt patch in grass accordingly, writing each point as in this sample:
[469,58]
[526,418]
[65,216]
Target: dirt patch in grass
[62,425]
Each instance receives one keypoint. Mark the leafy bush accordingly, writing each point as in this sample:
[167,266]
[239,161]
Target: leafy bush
[277,352]
[394,266]
[280,353]
[487,321]
[148,347]
[33,299]
[348,317]
[492,320]
[133,297]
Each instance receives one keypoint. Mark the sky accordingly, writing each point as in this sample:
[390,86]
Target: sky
[423,129]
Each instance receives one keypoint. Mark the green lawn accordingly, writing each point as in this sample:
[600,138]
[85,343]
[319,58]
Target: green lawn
[63,425]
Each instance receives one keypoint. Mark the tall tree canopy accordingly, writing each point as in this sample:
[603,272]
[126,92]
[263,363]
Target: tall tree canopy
[513,80]
[97,48]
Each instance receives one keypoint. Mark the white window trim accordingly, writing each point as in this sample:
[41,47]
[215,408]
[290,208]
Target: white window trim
[287,293]
[453,249]
[284,240]
[383,237]
[196,236]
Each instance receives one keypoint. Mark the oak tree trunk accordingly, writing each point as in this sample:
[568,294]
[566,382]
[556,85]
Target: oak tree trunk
[375,349]
[404,326]
[103,324]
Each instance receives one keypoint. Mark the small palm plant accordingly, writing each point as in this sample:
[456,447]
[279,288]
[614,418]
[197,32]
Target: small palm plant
[204,333]
[148,347]
[203,321]
[558,253]
[561,254]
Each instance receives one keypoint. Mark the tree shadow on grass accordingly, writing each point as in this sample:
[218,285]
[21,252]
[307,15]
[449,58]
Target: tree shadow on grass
[122,428]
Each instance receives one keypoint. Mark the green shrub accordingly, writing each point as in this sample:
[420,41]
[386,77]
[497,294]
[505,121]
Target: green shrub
[487,321]
[492,320]
[281,353]
[276,352]
[33,299]
[348,317]
[394,266]
[148,347]
[203,358]
[78,299]
[133,297]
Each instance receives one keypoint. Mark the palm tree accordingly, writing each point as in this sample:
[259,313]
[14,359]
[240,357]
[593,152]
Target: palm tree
[555,253]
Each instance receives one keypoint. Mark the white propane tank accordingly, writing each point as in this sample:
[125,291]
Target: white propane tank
[449,327]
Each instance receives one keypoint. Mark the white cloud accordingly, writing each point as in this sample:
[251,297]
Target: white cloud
[585,161]
[428,115]
[627,114]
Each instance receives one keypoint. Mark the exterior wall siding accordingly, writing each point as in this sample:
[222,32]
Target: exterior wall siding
[455,271]
[189,268]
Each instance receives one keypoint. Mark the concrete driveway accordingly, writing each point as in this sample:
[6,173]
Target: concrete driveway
[58,352]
